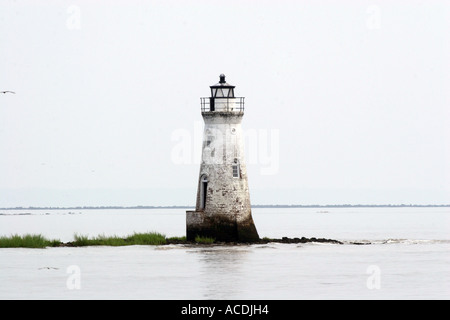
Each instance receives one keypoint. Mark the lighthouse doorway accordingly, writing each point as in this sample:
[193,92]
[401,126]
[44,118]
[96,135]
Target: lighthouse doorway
[203,189]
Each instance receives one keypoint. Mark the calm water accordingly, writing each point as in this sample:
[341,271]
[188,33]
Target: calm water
[409,257]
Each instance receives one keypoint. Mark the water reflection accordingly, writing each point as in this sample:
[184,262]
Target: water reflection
[222,271]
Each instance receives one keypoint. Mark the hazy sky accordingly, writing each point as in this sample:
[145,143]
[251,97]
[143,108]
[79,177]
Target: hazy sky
[345,103]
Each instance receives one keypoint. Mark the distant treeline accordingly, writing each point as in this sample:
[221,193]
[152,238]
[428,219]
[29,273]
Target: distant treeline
[253,206]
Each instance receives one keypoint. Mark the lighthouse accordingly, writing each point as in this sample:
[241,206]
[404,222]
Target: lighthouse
[223,208]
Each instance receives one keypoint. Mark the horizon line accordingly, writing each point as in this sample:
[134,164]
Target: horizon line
[253,206]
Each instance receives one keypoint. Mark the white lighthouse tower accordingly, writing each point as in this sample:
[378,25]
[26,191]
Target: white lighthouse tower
[223,208]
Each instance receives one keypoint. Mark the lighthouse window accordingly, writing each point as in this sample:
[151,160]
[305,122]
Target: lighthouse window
[222,92]
[235,170]
[219,93]
[209,140]
[225,92]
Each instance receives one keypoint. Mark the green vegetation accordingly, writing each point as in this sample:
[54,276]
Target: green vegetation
[27,241]
[204,240]
[176,239]
[151,238]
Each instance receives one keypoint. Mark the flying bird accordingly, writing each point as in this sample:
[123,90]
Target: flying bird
[7,92]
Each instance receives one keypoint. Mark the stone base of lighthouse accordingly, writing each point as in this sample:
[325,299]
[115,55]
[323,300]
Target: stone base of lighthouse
[228,227]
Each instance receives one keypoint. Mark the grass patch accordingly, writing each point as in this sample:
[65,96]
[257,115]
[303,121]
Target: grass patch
[176,239]
[205,240]
[27,241]
[151,238]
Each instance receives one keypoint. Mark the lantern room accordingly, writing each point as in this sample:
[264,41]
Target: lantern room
[222,98]
[222,89]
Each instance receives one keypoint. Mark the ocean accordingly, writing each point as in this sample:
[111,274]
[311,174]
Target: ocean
[402,253]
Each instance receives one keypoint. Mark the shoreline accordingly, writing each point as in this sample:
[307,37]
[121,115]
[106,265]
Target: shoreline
[284,240]
[38,241]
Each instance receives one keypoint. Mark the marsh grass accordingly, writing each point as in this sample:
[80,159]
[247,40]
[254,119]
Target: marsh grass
[150,238]
[204,240]
[173,239]
[27,241]
[176,240]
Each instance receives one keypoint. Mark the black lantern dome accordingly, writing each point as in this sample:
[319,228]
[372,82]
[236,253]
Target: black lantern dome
[222,89]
